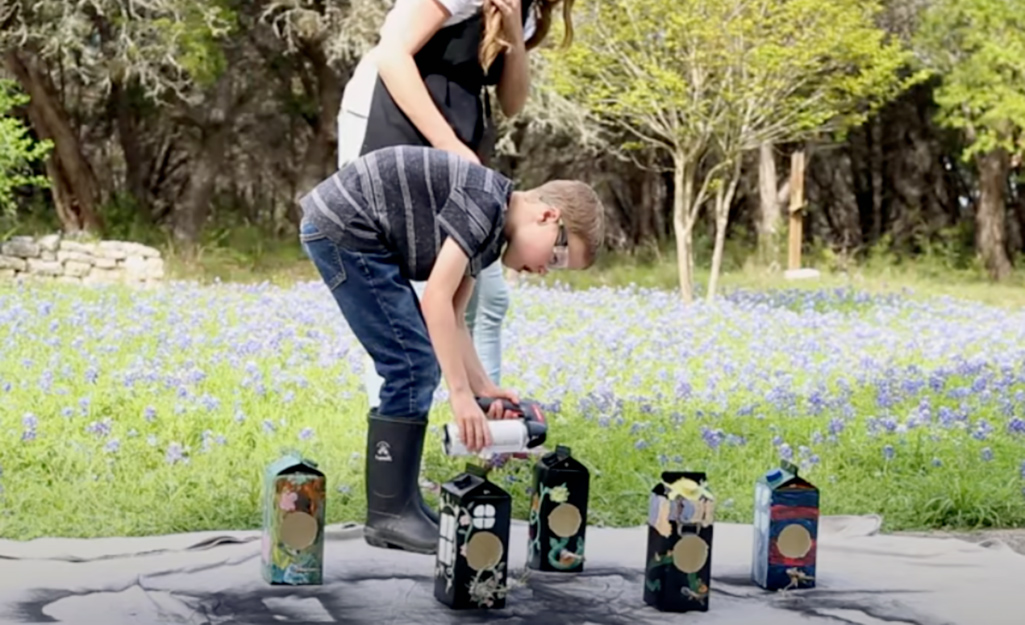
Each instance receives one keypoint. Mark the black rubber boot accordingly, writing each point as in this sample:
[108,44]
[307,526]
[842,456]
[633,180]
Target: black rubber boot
[431,513]
[395,510]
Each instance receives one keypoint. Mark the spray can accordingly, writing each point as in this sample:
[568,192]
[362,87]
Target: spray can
[508,436]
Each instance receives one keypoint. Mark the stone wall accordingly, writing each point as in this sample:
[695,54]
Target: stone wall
[55,258]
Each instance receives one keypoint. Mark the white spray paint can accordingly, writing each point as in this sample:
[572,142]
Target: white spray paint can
[508,436]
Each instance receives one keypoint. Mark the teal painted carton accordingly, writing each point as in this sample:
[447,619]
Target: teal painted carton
[294,495]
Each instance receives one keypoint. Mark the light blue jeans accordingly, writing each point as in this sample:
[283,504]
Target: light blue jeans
[484,315]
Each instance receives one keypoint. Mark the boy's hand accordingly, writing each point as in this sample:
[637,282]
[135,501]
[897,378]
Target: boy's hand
[473,427]
[496,411]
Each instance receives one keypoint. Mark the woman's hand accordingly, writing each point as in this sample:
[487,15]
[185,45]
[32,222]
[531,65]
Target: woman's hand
[456,146]
[512,19]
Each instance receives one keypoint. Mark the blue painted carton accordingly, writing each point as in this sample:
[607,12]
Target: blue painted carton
[294,497]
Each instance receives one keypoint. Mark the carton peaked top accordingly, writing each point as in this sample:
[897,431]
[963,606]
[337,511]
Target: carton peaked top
[785,476]
[562,458]
[683,484]
[474,478]
[293,462]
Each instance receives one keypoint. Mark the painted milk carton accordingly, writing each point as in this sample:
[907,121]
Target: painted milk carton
[471,567]
[786,520]
[558,513]
[678,571]
[293,522]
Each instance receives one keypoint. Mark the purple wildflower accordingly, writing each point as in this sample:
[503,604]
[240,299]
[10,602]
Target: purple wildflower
[100,428]
[175,453]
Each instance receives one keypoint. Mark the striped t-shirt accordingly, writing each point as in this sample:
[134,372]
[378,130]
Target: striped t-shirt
[406,200]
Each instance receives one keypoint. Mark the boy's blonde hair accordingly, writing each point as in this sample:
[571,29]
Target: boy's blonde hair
[582,212]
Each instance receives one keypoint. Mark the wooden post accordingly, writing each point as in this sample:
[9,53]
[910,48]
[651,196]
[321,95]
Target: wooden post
[796,209]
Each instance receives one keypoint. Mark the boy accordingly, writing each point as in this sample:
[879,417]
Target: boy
[415,213]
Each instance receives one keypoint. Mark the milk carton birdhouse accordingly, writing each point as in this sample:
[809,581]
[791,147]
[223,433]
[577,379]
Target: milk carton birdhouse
[558,513]
[786,523]
[678,571]
[473,542]
[293,522]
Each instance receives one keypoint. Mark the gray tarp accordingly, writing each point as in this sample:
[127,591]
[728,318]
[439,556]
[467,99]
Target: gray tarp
[213,577]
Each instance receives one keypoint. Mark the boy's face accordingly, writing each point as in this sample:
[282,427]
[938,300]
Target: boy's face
[543,243]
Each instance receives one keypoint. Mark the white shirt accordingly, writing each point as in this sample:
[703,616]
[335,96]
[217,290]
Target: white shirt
[358,93]
[462,10]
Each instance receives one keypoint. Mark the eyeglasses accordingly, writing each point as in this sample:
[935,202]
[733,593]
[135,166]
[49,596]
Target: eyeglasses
[560,253]
[562,239]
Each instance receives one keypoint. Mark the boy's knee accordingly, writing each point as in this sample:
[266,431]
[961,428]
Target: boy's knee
[424,385]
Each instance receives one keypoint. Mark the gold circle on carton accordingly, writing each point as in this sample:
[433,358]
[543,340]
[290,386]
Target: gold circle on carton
[794,541]
[690,553]
[298,530]
[483,551]
[565,520]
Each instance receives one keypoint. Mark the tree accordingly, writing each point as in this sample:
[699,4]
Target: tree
[322,38]
[708,80]
[18,151]
[978,48]
[159,46]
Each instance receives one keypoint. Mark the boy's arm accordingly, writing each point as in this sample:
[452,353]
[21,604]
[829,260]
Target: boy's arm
[478,379]
[439,308]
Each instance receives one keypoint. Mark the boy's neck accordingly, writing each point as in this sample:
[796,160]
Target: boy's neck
[515,212]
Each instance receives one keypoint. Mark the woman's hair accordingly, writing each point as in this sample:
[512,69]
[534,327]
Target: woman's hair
[492,44]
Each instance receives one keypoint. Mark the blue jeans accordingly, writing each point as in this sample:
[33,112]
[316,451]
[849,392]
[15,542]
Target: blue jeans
[381,308]
[484,314]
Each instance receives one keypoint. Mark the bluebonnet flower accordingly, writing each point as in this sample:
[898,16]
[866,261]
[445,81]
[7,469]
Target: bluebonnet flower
[176,453]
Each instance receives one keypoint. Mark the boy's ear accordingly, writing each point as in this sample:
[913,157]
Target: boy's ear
[551,214]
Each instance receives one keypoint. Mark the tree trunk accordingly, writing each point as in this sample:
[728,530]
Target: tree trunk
[191,214]
[319,159]
[128,133]
[683,224]
[723,203]
[76,191]
[990,217]
[769,214]
[1019,206]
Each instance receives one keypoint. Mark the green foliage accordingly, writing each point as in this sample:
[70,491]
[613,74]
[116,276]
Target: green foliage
[197,32]
[978,48]
[744,72]
[18,150]
[162,45]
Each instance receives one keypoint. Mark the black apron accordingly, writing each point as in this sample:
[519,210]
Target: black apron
[450,68]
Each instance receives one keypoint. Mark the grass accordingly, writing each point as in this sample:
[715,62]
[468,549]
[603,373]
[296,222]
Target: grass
[133,413]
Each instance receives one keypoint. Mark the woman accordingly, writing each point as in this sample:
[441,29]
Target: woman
[424,84]
[439,41]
